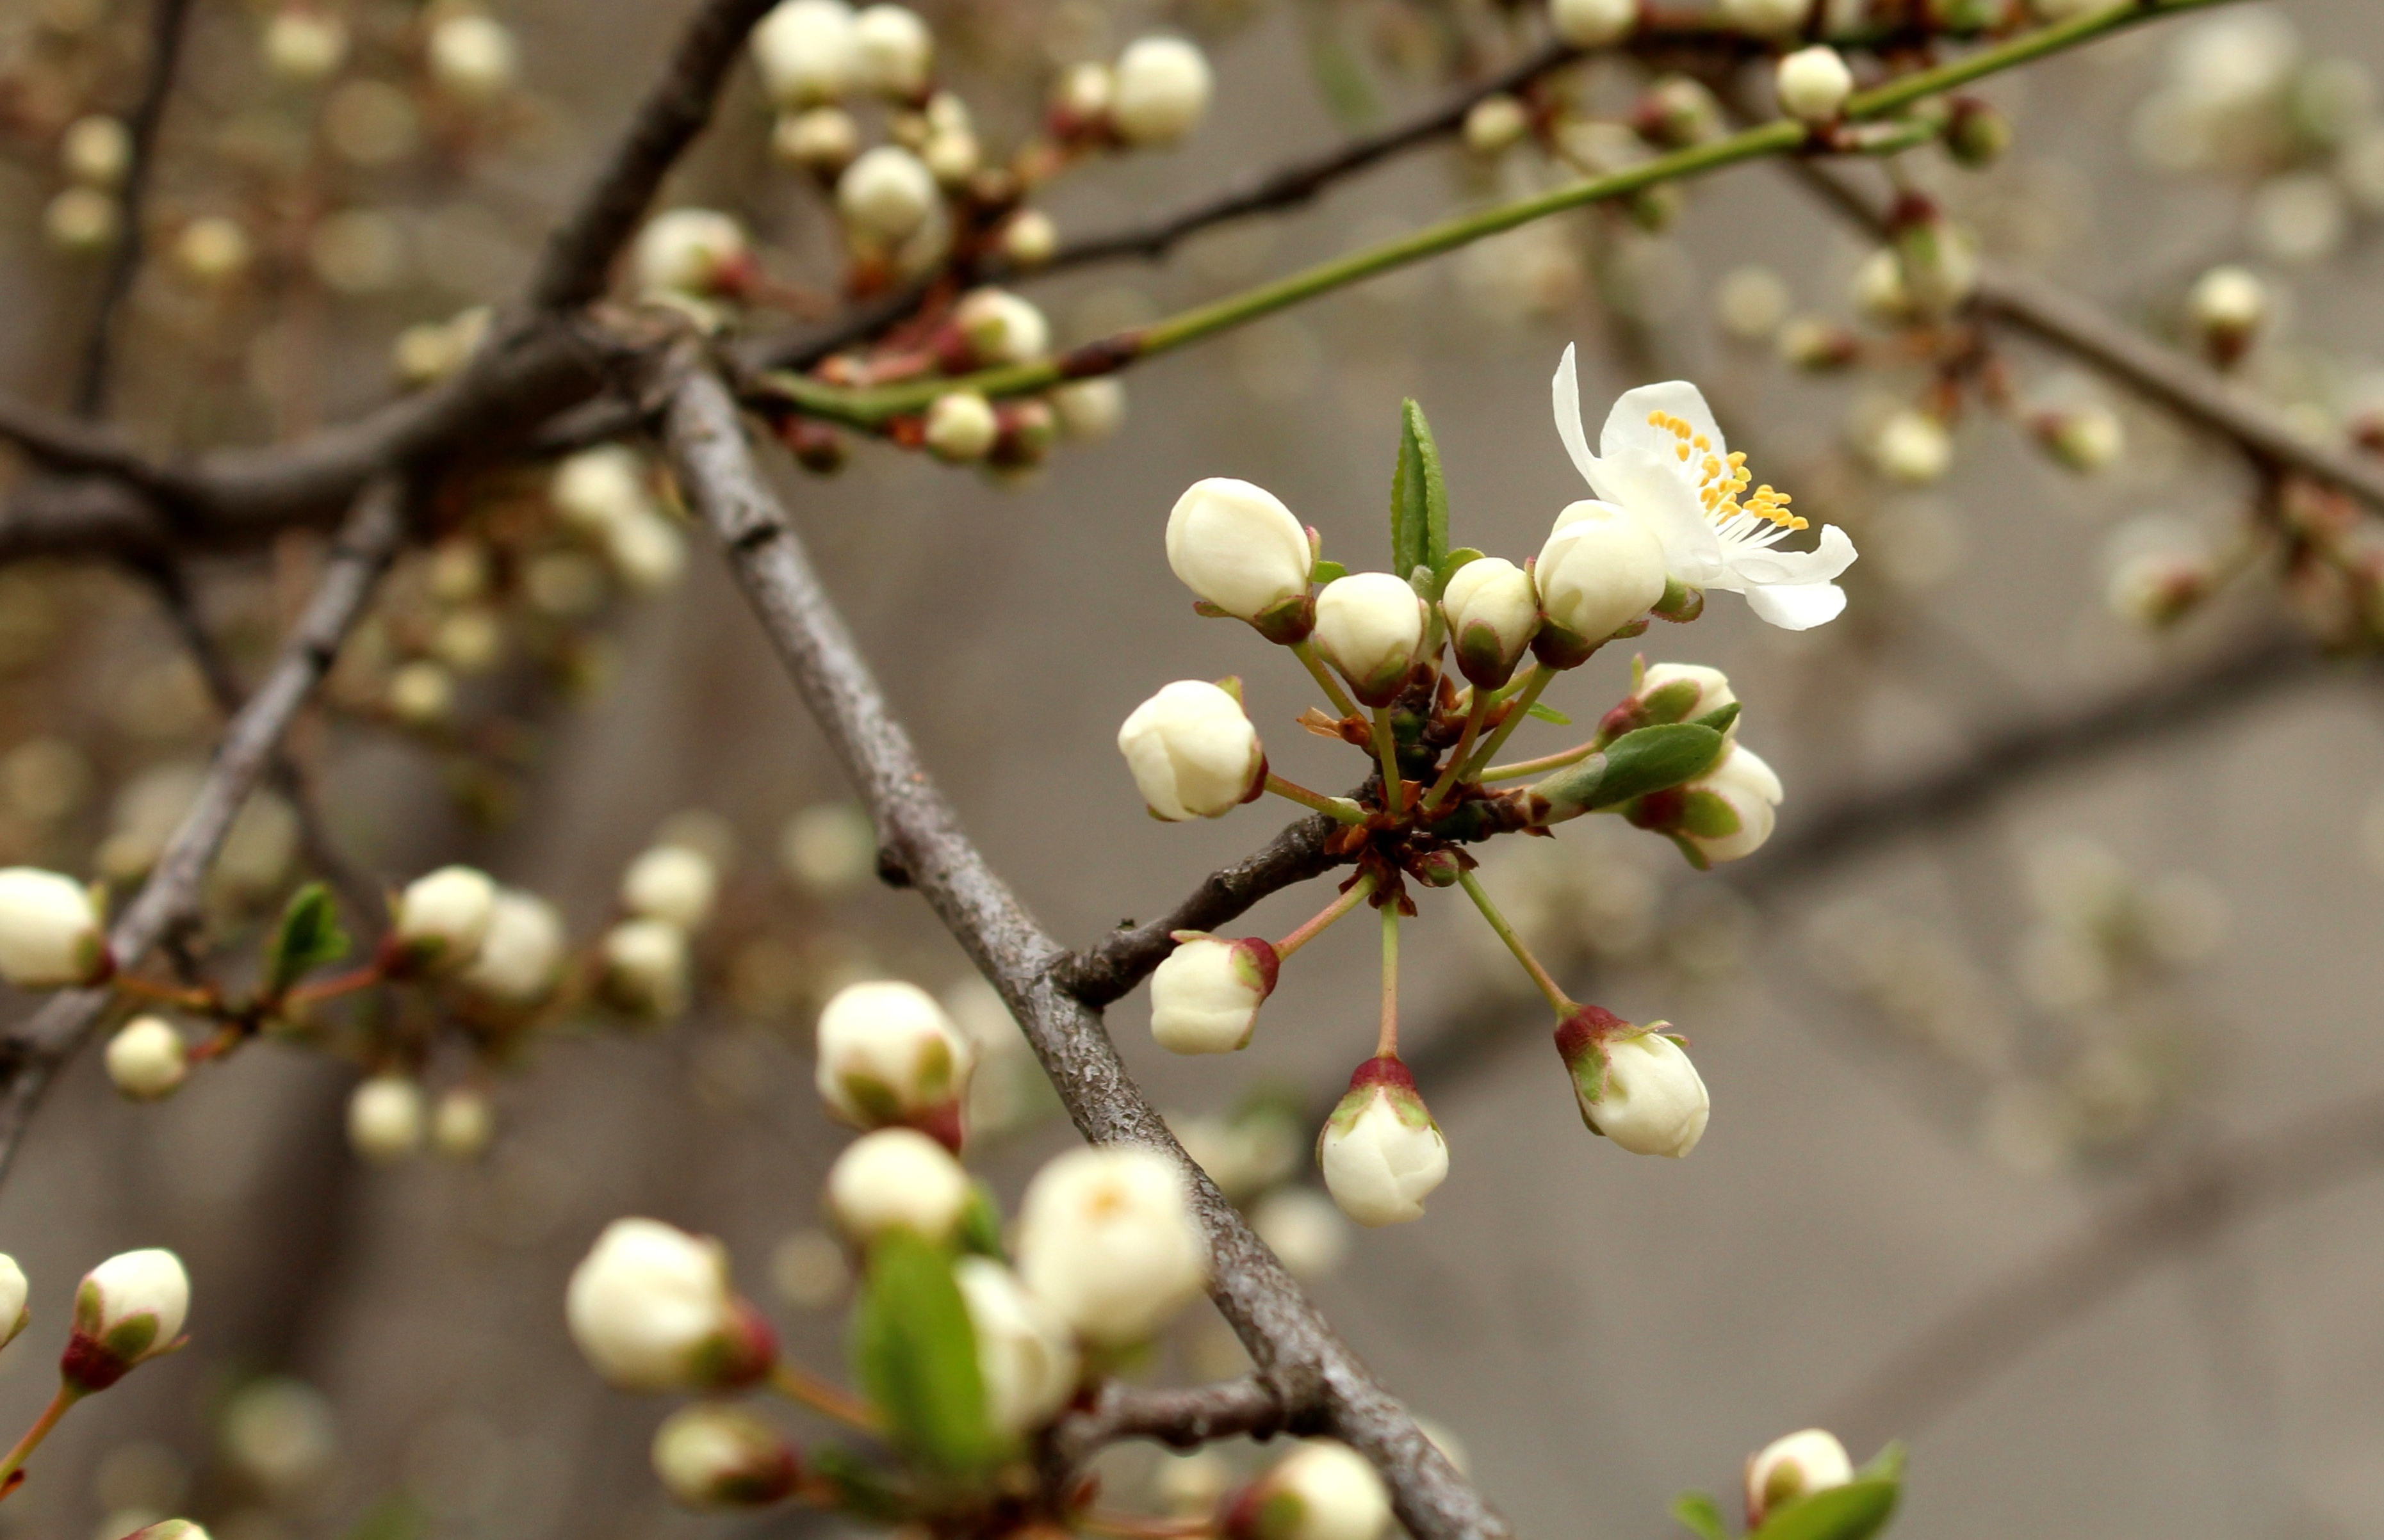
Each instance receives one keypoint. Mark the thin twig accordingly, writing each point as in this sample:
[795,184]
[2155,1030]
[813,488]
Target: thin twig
[167,23]
[1179,1418]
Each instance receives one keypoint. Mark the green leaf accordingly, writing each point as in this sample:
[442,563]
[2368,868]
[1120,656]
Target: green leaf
[1449,564]
[862,1489]
[1325,572]
[1886,1465]
[1719,718]
[1855,1511]
[1419,497]
[915,1353]
[1699,1512]
[981,1224]
[1655,759]
[309,937]
[1548,713]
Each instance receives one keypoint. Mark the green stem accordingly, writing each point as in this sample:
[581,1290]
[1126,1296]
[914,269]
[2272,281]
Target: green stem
[1542,677]
[1387,751]
[870,407]
[1339,807]
[1457,757]
[1306,653]
[1387,1040]
[1323,918]
[15,1461]
[804,1388]
[1556,998]
[1573,755]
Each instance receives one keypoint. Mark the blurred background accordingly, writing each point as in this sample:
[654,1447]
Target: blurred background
[1935,1057]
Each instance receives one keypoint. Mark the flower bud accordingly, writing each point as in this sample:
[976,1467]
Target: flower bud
[82,221]
[304,45]
[520,959]
[1106,1237]
[1939,260]
[443,919]
[962,427]
[16,1313]
[1090,409]
[50,935]
[1303,1228]
[129,1310]
[1592,23]
[1678,111]
[1321,1490]
[1193,752]
[385,1118]
[422,693]
[1495,123]
[1162,91]
[709,1456]
[1913,447]
[2226,308]
[896,1177]
[462,1123]
[1814,84]
[893,52]
[1381,1153]
[1205,995]
[1816,346]
[169,1529]
[888,1054]
[2087,439]
[1238,548]
[1633,1085]
[651,1309]
[473,57]
[694,252]
[1026,1353]
[1601,570]
[1082,96]
[2155,589]
[1000,327]
[1371,626]
[822,140]
[1725,814]
[212,250]
[1493,612]
[951,157]
[1670,693]
[96,152]
[671,882]
[146,1061]
[1796,1466]
[1766,18]
[807,51]
[885,194]
[646,969]
[1978,134]
[1030,239]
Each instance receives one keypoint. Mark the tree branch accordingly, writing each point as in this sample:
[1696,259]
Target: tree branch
[1307,1367]
[1179,1418]
[167,23]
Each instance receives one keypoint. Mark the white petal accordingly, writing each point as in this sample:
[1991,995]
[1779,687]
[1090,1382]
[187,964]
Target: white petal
[1627,425]
[1797,606]
[1655,490]
[1566,391]
[1759,567]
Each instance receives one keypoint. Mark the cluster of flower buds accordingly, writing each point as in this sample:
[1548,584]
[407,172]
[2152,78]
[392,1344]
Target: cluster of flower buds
[607,497]
[667,896]
[1155,94]
[86,215]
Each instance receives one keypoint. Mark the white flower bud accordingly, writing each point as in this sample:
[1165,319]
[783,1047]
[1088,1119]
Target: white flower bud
[96,151]
[127,1310]
[888,1054]
[1766,18]
[1794,1467]
[1024,1350]
[520,959]
[962,427]
[1380,1151]
[443,918]
[1592,23]
[1000,328]
[80,221]
[651,1309]
[304,45]
[169,1529]
[597,487]
[1371,626]
[1913,447]
[1030,239]
[385,1118]
[1303,1228]
[2226,308]
[50,935]
[1678,692]
[1106,1237]
[16,1312]
[1321,1490]
[1601,570]
[896,1177]
[1493,611]
[472,57]
[822,140]
[1083,93]
[212,250]
[885,194]
[1633,1085]
[146,1061]
[422,693]
[1193,752]
[1090,409]
[1725,814]
[646,969]
[462,1123]
[893,52]
[694,252]
[671,882]
[807,51]
[1814,84]
[711,1457]
[1162,91]
[1495,123]
[2088,438]
[1238,548]
[951,157]
[1205,995]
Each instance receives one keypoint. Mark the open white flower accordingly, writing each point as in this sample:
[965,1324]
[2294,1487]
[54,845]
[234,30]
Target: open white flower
[1665,461]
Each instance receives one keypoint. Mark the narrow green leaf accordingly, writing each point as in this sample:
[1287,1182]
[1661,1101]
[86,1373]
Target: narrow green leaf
[1419,497]
[1719,718]
[1548,713]
[1325,572]
[981,1224]
[1651,760]
[1699,1512]
[1855,1511]
[1886,1465]
[309,937]
[915,1353]
[1449,564]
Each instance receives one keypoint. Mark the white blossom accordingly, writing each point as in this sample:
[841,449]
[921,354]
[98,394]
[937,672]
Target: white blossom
[1634,1084]
[888,1054]
[1728,811]
[893,52]
[646,967]
[1106,1237]
[1913,447]
[887,193]
[16,1312]
[651,1309]
[2227,307]
[1493,610]
[96,151]
[1601,570]
[711,1457]
[127,1310]
[386,1118]
[1163,90]
[1238,548]
[443,917]
[1371,626]
[961,426]
[1029,239]
[1205,995]
[1321,1490]
[896,1177]
[671,882]
[1090,409]
[822,140]
[146,1062]
[807,51]
[1024,1350]
[303,45]
[1193,752]
[520,959]
[462,1123]
[1000,328]
[1592,23]
[1303,1227]
[50,933]
[1380,1151]
[1794,1467]
[696,252]
[1814,84]
[472,56]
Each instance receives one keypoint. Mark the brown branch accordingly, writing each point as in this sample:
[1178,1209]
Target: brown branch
[31,1052]
[1304,1364]
[1179,1418]
[167,24]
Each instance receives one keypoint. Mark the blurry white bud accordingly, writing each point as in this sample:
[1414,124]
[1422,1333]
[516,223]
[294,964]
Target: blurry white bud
[1727,813]
[1752,304]
[807,51]
[428,352]
[671,882]
[1380,1151]
[1592,23]
[1084,91]
[1303,1227]
[304,45]
[1090,409]
[962,427]
[2157,588]
[646,552]
[651,1309]
[951,157]
[1766,18]
[2226,308]
[280,1434]
[520,958]
[462,1123]
[946,113]
[146,1061]
[1238,548]
[709,1456]
[15,1312]
[1939,260]
[1493,612]
[212,250]
[888,1054]
[1794,1467]
[1913,447]
[443,918]
[1106,1237]
[1024,1350]
[1878,291]
[696,251]
[823,140]
[96,151]
[1193,752]
[422,693]
[1371,626]
[82,220]
[169,1529]
[385,1118]
[1636,1087]
[1321,1490]
[893,53]
[1814,84]
[1493,123]
[828,849]
[1162,91]
[1601,570]
[601,486]
[1205,995]
[1000,328]
[896,1177]
[127,1310]
[472,57]
[646,967]
[50,935]
[2085,438]
[1030,239]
